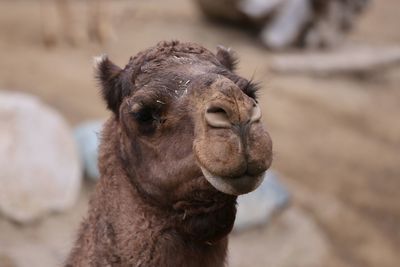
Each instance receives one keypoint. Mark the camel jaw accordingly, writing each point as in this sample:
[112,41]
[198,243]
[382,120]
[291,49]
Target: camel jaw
[233,186]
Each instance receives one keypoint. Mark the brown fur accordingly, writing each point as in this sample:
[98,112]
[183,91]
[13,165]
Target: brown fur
[152,205]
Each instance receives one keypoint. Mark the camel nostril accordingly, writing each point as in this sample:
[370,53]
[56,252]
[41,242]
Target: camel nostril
[213,109]
[217,117]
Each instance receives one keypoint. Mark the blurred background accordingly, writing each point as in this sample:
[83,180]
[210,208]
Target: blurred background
[330,75]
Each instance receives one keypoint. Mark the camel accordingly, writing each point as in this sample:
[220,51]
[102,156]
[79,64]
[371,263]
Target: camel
[185,138]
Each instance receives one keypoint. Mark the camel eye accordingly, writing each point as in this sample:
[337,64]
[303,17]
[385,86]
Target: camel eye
[144,115]
[249,87]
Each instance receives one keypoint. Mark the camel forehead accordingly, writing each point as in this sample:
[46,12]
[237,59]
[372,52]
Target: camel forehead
[184,64]
[174,67]
[177,76]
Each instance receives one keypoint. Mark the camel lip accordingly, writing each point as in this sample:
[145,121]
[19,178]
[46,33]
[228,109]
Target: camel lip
[233,186]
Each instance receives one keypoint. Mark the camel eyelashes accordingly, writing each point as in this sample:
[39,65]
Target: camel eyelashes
[251,89]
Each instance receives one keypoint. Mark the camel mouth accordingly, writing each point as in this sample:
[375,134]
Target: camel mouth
[233,186]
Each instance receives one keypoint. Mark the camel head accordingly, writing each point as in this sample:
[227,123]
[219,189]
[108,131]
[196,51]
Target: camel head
[188,126]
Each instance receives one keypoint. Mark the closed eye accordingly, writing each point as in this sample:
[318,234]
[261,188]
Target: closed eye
[144,115]
[251,89]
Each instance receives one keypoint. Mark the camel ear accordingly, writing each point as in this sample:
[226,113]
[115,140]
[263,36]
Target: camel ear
[227,57]
[113,87]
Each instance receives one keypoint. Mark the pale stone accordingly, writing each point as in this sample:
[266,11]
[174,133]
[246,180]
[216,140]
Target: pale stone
[286,27]
[257,9]
[294,239]
[39,164]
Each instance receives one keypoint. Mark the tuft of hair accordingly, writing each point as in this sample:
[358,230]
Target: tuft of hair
[98,60]
[108,75]
[227,57]
[251,89]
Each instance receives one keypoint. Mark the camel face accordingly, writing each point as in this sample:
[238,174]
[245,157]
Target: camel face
[187,123]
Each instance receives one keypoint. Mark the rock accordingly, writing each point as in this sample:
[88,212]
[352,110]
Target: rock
[328,30]
[40,170]
[293,239]
[87,137]
[290,23]
[257,207]
[258,9]
[287,25]
[348,60]
[221,10]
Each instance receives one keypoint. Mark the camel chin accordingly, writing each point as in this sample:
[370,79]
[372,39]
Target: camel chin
[233,186]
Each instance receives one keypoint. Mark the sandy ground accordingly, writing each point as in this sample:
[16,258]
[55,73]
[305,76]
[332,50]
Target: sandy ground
[336,139]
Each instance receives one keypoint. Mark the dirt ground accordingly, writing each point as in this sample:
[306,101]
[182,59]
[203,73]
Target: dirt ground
[336,139]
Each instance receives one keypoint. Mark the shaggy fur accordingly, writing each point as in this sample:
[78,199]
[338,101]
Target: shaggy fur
[152,205]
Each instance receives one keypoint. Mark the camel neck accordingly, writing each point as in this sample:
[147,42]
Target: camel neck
[131,231]
[140,234]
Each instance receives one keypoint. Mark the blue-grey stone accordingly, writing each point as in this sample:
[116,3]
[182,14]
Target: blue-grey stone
[257,207]
[87,136]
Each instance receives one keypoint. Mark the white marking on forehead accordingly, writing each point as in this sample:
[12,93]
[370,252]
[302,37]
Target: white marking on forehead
[182,60]
[192,64]
[183,87]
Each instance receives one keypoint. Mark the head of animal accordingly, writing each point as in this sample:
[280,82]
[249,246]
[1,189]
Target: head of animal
[190,133]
